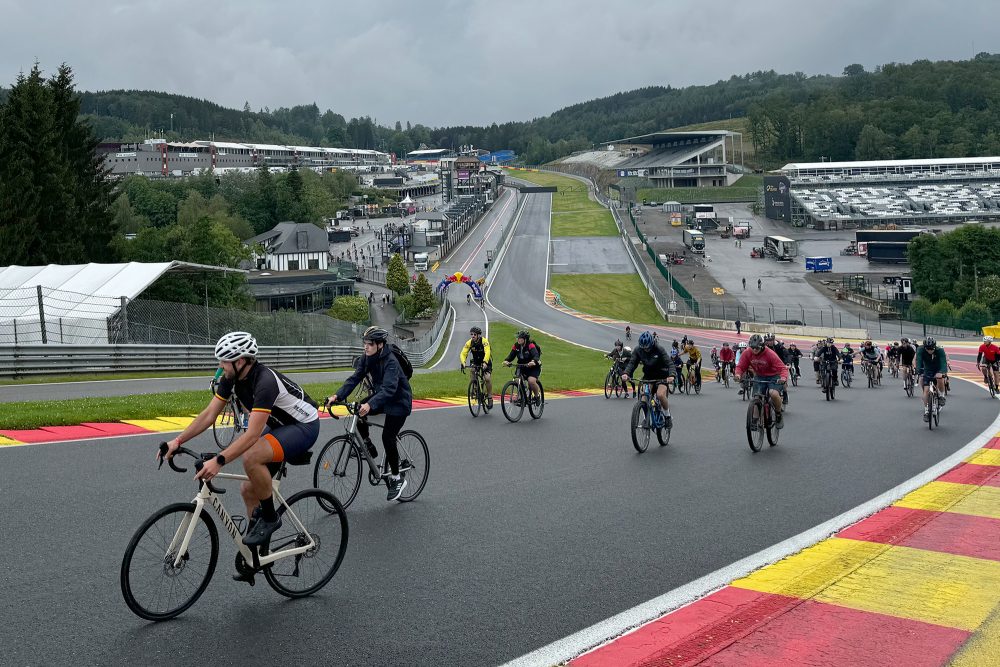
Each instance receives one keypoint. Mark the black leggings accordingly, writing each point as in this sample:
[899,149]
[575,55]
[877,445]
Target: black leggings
[393,425]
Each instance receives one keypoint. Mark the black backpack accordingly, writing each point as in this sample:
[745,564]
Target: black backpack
[537,347]
[404,363]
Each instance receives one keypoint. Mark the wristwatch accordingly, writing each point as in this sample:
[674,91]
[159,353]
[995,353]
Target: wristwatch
[220,459]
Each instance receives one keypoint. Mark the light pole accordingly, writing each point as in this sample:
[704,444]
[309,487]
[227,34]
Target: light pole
[171,123]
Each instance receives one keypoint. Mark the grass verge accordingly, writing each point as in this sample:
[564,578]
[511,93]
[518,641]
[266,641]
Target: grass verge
[574,213]
[615,295]
[444,340]
[565,366]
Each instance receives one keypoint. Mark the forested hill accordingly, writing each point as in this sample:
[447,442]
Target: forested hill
[923,109]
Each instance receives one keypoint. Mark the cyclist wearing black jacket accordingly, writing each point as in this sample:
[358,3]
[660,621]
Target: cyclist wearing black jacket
[794,354]
[529,359]
[392,396]
[620,355]
[828,354]
[656,365]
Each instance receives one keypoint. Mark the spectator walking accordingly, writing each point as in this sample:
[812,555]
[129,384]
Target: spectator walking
[744,284]
[738,325]
[758,283]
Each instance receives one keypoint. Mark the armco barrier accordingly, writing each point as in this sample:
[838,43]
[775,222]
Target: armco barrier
[20,360]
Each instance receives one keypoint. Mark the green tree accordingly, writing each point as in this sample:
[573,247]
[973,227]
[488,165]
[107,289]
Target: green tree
[396,277]
[350,309]
[920,310]
[873,144]
[943,313]
[125,219]
[423,294]
[55,199]
[973,316]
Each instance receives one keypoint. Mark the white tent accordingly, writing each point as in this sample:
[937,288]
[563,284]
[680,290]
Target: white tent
[77,301]
[406,201]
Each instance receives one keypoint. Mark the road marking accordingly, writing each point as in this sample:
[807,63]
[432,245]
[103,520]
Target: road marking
[929,586]
[564,649]
[956,498]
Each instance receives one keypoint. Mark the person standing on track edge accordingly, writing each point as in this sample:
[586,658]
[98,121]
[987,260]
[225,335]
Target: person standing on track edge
[392,396]
[738,326]
[528,357]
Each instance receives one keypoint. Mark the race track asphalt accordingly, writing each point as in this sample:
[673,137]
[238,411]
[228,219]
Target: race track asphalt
[525,533]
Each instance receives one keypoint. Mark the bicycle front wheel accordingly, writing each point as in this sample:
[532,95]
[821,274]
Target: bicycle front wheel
[474,403]
[154,587]
[536,410]
[640,426]
[227,426]
[755,424]
[511,401]
[414,463]
[609,383]
[305,519]
[338,470]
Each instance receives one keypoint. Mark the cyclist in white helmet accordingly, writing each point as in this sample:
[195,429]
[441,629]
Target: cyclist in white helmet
[284,424]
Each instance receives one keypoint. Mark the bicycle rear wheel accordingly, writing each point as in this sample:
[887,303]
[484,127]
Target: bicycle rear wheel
[228,425]
[795,378]
[473,395]
[640,426]
[304,574]
[511,401]
[338,471]
[536,410]
[755,424]
[153,587]
[414,463]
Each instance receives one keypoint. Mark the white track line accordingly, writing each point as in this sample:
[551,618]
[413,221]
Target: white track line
[600,633]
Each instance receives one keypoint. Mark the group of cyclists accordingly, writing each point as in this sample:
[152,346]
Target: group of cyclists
[284,420]
[773,363]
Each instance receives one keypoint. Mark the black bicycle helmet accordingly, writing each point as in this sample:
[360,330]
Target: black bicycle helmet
[375,334]
[619,343]
[476,330]
[756,342]
[930,343]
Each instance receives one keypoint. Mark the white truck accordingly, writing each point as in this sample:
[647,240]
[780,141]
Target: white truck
[420,261]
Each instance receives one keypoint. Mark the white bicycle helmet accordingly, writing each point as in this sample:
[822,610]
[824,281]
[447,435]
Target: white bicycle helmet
[987,339]
[235,345]
[743,345]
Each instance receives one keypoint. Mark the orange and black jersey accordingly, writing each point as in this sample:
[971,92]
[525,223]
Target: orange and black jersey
[267,390]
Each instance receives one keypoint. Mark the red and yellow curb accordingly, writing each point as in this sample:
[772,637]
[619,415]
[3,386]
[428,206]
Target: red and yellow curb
[91,430]
[917,583]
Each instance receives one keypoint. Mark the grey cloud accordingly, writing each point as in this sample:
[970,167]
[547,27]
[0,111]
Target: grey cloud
[443,62]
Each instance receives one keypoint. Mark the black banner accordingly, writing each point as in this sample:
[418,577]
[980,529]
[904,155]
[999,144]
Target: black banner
[777,198]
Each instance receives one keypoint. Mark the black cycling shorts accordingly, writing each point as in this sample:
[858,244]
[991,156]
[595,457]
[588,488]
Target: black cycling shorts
[530,372]
[292,441]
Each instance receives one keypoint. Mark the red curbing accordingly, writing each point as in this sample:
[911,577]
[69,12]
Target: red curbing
[971,473]
[959,534]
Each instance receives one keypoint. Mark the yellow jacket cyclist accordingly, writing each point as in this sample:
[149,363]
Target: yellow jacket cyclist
[479,348]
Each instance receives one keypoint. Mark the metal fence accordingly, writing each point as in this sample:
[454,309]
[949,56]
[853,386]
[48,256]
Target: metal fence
[20,360]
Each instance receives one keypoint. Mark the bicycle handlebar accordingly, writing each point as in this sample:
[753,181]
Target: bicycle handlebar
[352,408]
[199,463]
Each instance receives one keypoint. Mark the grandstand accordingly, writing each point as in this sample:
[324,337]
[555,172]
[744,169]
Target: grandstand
[905,192]
[704,158]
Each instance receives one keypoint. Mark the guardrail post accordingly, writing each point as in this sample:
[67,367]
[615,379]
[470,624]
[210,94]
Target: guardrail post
[125,319]
[41,314]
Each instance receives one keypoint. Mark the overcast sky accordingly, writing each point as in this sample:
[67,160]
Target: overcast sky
[474,62]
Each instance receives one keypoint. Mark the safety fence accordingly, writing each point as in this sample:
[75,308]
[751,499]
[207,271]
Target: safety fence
[678,289]
[21,360]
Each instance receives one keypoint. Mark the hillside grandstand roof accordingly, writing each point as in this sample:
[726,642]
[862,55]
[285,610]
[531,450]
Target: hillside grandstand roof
[427,152]
[672,137]
[663,157]
[868,164]
[292,238]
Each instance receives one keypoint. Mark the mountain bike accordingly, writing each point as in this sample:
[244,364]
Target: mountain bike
[516,393]
[647,415]
[871,370]
[339,464]
[613,383]
[479,399]
[826,381]
[894,368]
[847,375]
[746,385]
[761,418]
[230,423]
[725,374]
[172,556]
[793,373]
[691,380]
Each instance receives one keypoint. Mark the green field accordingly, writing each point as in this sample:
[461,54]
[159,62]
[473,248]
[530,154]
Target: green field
[615,295]
[566,366]
[573,212]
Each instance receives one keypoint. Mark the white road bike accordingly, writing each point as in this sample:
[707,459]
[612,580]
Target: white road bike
[172,556]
